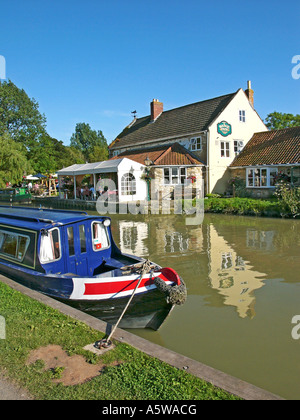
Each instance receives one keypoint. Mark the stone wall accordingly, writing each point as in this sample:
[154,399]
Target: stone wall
[160,191]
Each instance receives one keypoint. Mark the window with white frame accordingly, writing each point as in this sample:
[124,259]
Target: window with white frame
[174,175]
[261,177]
[242,115]
[50,247]
[128,184]
[225,149]
[195,144]
[238,146]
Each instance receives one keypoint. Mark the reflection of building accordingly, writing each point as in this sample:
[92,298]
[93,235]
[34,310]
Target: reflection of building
[233,277]
[176,239]
[133,236]
[260,239]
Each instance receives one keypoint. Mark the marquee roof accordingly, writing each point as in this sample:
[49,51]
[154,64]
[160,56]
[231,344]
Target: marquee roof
[92,168]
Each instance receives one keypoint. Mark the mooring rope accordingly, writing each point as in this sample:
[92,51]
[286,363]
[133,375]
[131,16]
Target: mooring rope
[175,294]
[146,268]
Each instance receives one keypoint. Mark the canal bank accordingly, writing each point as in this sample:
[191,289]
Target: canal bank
[217,378]
[272,208]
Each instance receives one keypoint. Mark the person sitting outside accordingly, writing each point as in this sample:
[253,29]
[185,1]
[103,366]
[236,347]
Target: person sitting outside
[78,192]
[86,193]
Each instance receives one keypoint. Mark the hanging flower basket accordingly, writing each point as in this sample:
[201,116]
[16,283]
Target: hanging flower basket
[192,178]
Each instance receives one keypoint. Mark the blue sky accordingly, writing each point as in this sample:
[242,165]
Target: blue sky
[95,61]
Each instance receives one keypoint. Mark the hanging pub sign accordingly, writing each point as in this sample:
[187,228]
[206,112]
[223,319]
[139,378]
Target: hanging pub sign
[224,128]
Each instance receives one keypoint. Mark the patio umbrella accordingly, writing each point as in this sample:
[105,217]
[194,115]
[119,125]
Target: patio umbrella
[32,178]
[39,175]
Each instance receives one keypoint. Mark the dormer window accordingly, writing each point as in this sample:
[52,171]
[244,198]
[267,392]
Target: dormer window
[196,144]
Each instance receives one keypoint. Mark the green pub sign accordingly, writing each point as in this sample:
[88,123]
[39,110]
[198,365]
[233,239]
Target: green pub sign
[224,128]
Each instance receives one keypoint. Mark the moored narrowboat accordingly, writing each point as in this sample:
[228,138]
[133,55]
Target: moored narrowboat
[14,195]
[71,256]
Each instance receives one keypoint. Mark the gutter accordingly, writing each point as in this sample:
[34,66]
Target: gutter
[263,165]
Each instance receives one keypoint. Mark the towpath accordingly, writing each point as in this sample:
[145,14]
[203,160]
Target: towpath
[8,391]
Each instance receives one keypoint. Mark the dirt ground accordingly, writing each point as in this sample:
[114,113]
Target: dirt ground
[72,370]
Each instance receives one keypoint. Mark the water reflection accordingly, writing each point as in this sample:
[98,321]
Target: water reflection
[260,239]
[242,276]
[232,276]
[224,256]
[133,237]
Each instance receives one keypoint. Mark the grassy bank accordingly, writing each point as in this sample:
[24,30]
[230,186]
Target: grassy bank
[127,373]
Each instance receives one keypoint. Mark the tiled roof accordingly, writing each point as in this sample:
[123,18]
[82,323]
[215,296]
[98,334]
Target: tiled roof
[271,148]
[174,154]
[176,122]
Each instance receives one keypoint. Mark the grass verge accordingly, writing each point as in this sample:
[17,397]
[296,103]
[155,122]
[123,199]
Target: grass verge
[129,374]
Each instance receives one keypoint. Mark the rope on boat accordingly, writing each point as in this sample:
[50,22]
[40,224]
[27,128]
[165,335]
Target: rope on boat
[175,294]
[106,342]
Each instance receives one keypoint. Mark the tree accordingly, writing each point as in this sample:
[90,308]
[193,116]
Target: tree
[98,154]
[45,155]
[72,156]
[13,161]
[49,155]
[91,143]
[279,120]
[19,115]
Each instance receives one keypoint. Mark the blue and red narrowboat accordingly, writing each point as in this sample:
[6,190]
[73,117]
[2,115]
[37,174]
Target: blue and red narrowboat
[71,256]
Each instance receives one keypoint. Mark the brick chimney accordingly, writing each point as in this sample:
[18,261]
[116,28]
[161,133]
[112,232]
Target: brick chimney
[156,109]
[250,93]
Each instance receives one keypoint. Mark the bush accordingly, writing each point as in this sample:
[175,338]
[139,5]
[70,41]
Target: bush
[290,197]
[238,188]
[244,206]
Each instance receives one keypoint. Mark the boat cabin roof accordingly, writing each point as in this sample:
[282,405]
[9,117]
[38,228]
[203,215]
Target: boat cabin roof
[38,218]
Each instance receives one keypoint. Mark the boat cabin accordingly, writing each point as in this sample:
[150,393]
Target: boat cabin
[58,242]
[14,194]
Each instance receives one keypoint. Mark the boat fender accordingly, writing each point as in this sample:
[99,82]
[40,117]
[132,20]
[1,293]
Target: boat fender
[176,294]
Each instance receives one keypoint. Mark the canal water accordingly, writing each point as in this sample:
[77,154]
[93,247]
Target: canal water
[243,282]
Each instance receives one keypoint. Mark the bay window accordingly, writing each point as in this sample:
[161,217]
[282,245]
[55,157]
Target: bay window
[261,177]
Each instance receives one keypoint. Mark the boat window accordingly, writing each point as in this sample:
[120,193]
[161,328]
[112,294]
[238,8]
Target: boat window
[13,245]
[70,231]
[82,238]
[100,236]
[50,246]
[1,239]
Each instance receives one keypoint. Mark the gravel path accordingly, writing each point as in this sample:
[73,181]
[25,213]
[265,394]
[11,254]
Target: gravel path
[9,391]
